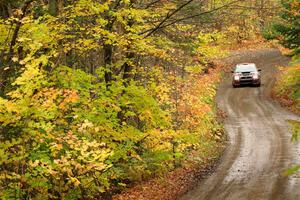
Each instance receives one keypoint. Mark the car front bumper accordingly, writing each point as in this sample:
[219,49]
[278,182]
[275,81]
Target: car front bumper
[248,81]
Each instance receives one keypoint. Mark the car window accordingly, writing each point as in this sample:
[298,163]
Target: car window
[245,68]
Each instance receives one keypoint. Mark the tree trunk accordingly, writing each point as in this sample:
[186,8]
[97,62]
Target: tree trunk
[53,7]
[108,56]
[6,72]
[128,67]
[5,10]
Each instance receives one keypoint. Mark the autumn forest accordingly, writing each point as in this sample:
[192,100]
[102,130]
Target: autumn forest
[99,95]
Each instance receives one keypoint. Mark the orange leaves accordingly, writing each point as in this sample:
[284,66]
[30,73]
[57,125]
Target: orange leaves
[297,68]
[295,8]
[70,96]
[197,99]
[46,97]
[283,50]
[53,97]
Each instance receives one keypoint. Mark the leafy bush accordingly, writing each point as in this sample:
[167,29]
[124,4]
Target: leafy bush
[61,136]
[288,86]
[70,132]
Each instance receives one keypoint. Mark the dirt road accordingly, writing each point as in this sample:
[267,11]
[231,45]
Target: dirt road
[259,148]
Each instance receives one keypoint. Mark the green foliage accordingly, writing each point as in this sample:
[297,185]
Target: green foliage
[291,171]
[90,103]
[62,138]
[65,140]
[286,28]
[295,127]
[208,47]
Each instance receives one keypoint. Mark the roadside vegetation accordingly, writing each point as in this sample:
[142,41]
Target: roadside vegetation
[96,96]
[287,88]
[285,29]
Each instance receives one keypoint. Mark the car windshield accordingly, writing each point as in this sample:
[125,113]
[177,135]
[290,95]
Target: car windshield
[245,68]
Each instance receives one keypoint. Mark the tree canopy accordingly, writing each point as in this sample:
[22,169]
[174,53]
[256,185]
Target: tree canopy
[97,94]
[287,27]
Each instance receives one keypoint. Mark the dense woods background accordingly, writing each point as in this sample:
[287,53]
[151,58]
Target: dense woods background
[96,95]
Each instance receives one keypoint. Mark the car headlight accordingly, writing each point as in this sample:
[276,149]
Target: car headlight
[255,76]
[236,77]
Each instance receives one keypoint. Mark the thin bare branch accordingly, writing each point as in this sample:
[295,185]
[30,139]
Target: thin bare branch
[152,3]
[168,16]
[164,25]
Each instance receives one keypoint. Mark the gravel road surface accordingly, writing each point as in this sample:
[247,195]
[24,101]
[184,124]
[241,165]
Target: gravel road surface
[259,148]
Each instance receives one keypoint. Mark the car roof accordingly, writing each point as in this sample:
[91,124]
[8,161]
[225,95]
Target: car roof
[245,67]
[246,64]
